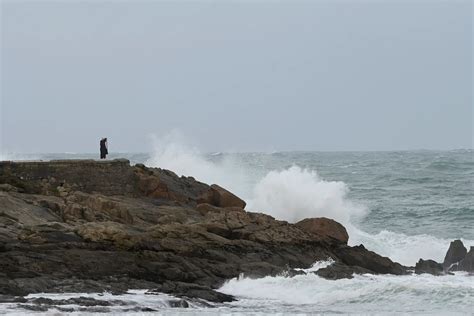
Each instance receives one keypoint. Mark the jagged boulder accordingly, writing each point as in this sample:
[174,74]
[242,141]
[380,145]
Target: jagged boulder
[164,184]
[467,264]
[218,196]
[361,257]
[456,253]
[338,271]
[429,266]
[326,228]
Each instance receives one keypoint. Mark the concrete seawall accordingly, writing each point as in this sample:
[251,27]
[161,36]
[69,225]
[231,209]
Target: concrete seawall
[110,177]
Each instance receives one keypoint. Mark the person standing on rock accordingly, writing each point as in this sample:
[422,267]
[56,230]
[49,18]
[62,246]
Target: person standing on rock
[104,150]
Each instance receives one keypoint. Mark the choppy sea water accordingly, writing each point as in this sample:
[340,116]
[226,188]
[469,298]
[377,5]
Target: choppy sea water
[405,205]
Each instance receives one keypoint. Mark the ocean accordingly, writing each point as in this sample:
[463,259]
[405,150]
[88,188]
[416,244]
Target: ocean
[402,204]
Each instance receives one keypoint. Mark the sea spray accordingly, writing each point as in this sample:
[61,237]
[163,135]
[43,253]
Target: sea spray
[174,153]
[294,194]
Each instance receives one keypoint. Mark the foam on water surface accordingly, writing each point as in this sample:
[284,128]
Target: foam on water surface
[427,294]
[364,293]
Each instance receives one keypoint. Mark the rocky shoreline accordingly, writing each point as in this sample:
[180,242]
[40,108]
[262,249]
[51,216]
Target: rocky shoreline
[92,226]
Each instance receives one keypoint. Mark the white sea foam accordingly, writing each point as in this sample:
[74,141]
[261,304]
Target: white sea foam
[309,293]
[318,265]
[367,293]
[294,194]
[131,304]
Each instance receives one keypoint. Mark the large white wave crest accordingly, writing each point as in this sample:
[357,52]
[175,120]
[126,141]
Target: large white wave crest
[295,193]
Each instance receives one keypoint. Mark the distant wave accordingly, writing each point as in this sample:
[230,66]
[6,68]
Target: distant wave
[10,156]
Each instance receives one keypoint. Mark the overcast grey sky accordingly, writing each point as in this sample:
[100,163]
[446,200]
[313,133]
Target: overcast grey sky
[241,76]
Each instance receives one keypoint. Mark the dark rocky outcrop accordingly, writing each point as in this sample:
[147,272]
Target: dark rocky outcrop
[467,264]
[341,271]
[456,253]
[93,226]
[330,229]
[190,290]
[457,259]
[428,266]
[361,257]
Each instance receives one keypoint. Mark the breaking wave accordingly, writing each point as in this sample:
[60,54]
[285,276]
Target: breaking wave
[292,194]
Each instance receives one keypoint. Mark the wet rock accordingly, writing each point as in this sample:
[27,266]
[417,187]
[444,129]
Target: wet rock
[88,301]
[361,257]
[12,299]
[261,269]
[4,246]
[189,290]
[429,266]
[325,228]
[467,264]
[42,301]
[293,272]
[178,303]
[65,309]
[338,271]
[8,286]
[35,308]
[95,309]
[81,301]
[456,253]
